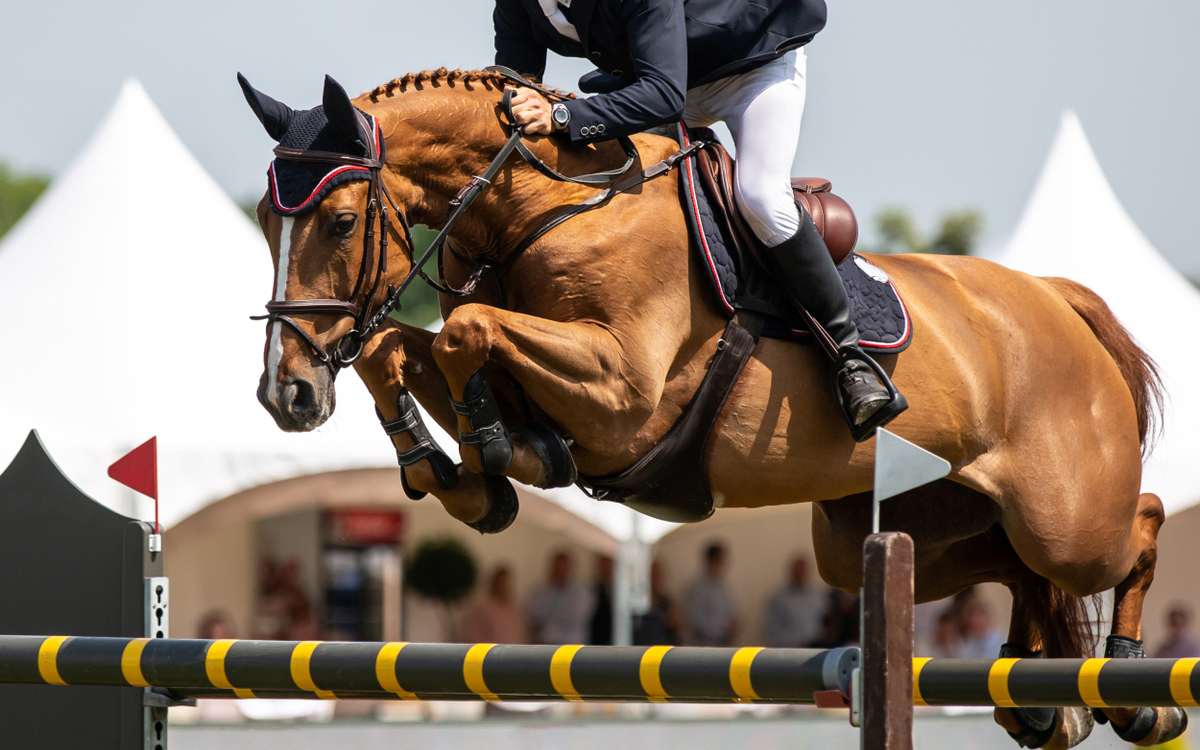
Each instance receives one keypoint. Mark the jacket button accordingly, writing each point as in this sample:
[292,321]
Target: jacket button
[618,73]
[583,131]
[600,128]
[596,55]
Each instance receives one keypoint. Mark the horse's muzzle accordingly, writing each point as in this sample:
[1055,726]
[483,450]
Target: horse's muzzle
[301,405]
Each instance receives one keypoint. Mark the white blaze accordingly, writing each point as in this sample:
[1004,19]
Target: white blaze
[275,352]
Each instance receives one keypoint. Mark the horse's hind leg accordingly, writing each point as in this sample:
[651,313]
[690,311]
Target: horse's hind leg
[1141,726]
[1045,622]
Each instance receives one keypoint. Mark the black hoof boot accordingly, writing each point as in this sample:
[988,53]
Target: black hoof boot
[1037,724]
[865,394]
[1150,726]
[502,506]
[488,430]
[409,422]
[554,452]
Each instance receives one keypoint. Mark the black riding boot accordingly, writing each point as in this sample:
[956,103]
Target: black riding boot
[810,278]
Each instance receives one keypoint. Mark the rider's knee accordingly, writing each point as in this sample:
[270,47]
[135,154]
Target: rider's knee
[769,209]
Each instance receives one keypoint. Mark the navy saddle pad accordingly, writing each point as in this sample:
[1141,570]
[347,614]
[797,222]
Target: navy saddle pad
[881,316]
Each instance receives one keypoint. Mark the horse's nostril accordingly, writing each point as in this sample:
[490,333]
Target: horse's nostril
[298,397]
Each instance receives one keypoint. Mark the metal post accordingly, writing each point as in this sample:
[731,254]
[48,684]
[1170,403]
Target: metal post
[631,584]
[887,642]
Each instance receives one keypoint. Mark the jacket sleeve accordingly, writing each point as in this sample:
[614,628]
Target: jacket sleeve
[658,48]
[515,46]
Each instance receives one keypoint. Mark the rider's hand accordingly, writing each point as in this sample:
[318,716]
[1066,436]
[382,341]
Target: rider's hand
[532,111]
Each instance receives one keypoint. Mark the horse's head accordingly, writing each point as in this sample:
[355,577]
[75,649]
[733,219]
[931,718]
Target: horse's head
[328,231]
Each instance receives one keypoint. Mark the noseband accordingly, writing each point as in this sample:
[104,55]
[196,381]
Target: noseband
[349,347]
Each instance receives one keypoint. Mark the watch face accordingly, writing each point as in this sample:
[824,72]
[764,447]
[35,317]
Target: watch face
[561,114]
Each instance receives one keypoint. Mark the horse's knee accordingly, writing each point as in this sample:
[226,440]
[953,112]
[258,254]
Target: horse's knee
[466,339]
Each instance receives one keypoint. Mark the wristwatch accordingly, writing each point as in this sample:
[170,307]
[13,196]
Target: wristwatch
[560,116]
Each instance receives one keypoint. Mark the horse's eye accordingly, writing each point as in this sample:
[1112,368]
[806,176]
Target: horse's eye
[344,224]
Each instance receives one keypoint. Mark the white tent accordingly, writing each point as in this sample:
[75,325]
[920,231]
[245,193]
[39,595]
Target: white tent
[1074,226]
[124,296]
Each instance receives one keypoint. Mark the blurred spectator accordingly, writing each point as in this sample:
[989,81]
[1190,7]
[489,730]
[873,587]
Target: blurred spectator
[496,618]
[1180,644]
[711,614]
[561,612]
[659,626]
[980,639]
[216,625]
[946,637]
[839,623]
[602,617]
[284,611]
[794,612]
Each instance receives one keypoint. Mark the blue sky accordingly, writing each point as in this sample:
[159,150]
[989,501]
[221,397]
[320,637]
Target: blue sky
[932,106]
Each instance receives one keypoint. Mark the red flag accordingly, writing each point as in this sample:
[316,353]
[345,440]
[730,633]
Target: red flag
[139,468]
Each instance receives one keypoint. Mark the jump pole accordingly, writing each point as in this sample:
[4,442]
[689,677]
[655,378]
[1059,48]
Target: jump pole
[882,697]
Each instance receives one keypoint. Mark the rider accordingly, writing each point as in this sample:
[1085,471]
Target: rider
[740,61]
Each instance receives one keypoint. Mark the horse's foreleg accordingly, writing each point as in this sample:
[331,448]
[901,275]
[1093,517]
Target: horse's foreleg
[1141,726]
[582,375]
[395,362]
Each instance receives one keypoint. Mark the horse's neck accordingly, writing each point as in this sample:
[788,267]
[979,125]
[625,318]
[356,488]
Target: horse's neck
[434,151]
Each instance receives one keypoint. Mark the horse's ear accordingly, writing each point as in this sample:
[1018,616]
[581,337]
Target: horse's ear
[275,116]
[341,114]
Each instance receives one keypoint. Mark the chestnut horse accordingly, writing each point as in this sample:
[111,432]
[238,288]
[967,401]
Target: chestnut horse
[1029,387]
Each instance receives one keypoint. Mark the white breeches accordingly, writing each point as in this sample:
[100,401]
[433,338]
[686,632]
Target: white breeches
[763,109]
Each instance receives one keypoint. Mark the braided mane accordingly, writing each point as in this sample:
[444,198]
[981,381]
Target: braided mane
[434,78]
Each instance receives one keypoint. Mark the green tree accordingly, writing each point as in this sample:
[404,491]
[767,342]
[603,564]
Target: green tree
[17,194]
[419,306]
[958,234]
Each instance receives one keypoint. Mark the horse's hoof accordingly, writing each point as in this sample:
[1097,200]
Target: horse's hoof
[1036,725]
[1154,726]
[488,433]
[1076,725]
[1066,728]
[502,506]
[554,453]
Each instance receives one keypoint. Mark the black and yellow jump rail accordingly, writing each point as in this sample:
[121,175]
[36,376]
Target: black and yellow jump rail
[1056,682]
[423,671]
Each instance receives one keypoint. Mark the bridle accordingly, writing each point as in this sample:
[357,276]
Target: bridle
[350,346]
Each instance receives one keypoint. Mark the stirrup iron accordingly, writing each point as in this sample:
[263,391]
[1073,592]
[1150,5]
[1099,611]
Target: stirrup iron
[885,413]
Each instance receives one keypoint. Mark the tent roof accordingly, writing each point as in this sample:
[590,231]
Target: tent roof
[126,289]
[1074,226]
[125,293]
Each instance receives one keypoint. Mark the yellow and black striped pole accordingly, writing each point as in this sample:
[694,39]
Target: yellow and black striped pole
[1056,682]
[329,670]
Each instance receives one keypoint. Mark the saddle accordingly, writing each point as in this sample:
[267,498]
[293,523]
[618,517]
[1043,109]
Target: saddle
[671,481]
[833,216]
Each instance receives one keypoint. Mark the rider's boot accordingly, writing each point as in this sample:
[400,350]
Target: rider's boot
[810,278]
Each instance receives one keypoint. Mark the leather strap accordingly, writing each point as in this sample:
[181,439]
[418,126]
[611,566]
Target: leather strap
[302,306]
[326,157]
[596,178]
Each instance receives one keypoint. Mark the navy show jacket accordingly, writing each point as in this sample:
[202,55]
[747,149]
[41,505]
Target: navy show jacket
[650,52]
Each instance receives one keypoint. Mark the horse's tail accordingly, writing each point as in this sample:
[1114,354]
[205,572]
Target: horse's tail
[1137,367]
[1064,621]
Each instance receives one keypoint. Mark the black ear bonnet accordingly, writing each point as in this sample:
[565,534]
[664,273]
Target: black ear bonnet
[296,187]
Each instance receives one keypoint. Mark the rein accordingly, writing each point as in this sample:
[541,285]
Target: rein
[365,322]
